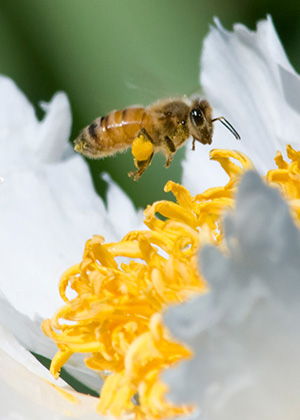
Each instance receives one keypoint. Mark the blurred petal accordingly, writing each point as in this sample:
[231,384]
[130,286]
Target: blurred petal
[48,209]
[245,331]
[247,78]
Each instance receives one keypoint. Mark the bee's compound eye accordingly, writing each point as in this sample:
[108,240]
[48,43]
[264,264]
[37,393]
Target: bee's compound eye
[197,116]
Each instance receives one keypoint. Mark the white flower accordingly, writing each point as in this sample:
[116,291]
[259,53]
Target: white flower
[48,209]
[245,331]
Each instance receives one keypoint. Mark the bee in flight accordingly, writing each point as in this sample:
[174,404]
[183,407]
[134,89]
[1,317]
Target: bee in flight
[163,126]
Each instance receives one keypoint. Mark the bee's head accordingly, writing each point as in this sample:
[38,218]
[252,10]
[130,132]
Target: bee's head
[200,121]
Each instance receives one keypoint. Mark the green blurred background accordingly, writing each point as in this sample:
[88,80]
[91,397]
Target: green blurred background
[108,54]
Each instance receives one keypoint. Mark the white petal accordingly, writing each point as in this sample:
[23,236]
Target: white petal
[123,217]
[30,335]
[17,125]
[48,210]
[54,130]
[247,78]
[26,390]
[245,331]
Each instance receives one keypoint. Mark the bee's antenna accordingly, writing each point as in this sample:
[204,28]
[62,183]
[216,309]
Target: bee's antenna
[228,126]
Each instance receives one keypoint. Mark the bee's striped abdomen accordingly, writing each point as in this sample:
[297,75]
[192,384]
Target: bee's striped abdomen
[110,134]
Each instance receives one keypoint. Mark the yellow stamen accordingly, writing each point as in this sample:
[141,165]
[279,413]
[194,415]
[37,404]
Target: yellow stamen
[287,179]
[115,317]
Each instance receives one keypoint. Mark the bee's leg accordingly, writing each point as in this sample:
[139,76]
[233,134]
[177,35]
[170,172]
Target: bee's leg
[142,165]
[169,160]
[193,146]
[171,149]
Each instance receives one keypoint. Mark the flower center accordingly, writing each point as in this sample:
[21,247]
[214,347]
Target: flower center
[116,316]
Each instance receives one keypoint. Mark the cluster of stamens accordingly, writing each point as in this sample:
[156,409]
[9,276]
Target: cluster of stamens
[116,316]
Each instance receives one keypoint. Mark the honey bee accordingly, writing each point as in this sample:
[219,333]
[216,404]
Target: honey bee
[165,125]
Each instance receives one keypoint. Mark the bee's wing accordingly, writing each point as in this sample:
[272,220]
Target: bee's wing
[149,86]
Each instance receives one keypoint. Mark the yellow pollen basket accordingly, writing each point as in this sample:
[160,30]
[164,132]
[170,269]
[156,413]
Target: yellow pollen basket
[142,148]
[116,316]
